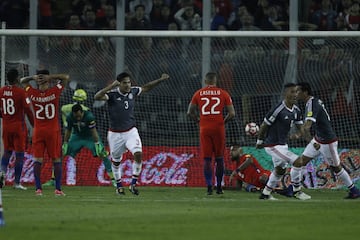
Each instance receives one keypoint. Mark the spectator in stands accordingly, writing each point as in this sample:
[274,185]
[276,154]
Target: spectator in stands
[188,19]
[352,19]
[155,14]
[163,21]
[45,14]
[107,16]
[90,20]
[217,19]
[234,21]
[271,20]
[147,5]
[15,13]
[138,21]
[325,17]
[224,8]
[74,22]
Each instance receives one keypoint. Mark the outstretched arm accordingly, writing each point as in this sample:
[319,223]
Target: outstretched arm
[150,85]
[101,94]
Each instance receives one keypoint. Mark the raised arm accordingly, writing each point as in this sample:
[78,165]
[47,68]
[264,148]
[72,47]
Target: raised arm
[150,85]
[64,78]
[101,94]
[25,81]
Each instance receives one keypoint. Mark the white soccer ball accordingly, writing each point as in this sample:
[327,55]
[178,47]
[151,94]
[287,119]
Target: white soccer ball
[251,129]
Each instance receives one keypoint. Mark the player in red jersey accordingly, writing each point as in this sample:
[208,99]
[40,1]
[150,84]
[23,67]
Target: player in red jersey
[248,170]
[13,107]
[47,130]
[206,107]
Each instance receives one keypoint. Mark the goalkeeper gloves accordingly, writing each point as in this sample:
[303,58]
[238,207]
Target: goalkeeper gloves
[100,150]
[65,147]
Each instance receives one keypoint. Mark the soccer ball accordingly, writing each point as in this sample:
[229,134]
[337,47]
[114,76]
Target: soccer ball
[251,129]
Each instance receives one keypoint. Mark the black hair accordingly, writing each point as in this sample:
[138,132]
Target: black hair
[305,87]
[211,77]
[289,85]
[43,72]
[12,75]
[76,107]
[122,75]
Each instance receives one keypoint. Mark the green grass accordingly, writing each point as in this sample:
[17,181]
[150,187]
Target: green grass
[176,213]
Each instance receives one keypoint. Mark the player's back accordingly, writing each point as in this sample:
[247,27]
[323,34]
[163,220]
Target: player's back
[46,107]
[13,103]
[211,101]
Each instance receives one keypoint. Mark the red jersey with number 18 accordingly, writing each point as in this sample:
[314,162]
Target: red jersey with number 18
[211,101]
[46,107]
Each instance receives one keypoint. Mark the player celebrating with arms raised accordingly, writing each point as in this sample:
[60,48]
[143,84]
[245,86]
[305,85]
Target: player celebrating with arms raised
[210,101]
[123,134]
[47,130]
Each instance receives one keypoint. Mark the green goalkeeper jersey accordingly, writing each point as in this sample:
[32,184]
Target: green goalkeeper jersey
[66,109]
[83,127]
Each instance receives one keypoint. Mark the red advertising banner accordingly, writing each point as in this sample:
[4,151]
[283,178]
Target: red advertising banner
[173,166]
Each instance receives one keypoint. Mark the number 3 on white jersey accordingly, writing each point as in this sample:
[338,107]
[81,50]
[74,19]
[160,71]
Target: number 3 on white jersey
[212,102]
[45,112]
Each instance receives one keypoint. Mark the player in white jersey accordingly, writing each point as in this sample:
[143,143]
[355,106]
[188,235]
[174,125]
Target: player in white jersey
[273,135]
[123,134]
[325,141]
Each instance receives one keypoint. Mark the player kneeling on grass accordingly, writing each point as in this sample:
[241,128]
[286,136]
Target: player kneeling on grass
[248,172]
[81,132]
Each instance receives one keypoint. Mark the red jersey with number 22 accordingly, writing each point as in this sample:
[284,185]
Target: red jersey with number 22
[211,101]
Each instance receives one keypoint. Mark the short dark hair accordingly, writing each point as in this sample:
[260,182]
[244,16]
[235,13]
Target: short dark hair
[305,87]
[289,85]
[43,72]
[122,75]
[76,107]
[12,75]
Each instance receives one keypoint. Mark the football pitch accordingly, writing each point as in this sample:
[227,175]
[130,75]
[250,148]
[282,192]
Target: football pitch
[176,213]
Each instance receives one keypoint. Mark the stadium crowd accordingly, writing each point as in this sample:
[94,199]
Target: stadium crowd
[183,14]
[90,61]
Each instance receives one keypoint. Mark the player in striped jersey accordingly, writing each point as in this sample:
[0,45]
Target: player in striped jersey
[325,141]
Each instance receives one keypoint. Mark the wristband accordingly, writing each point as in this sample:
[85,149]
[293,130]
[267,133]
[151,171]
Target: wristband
[259,142]
[237,170]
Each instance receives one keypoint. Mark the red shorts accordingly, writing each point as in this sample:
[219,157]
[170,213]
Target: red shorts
[46,140]
[14,140]
[212,142]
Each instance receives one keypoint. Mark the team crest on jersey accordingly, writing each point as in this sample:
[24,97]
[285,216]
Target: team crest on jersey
[130,96]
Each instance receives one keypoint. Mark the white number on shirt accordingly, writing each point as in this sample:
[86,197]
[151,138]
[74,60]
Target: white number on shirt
[213,102]
[8,106]
[45,112]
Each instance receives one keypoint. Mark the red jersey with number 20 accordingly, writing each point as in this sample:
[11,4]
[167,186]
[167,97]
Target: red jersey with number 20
[211,101]
[46,107]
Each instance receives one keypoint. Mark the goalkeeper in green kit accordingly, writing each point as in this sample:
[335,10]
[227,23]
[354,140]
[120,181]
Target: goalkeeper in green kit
[81,132]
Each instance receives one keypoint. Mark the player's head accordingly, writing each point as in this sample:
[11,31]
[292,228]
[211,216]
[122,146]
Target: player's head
[210,78]
[125,82]
[12,76]
[41,80]
[80,95]
[235,152]
[304,90]
[290,93]
[77,111]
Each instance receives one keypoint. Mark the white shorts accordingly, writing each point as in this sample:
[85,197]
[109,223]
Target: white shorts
[119,142]
[281,156]
[329,152]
